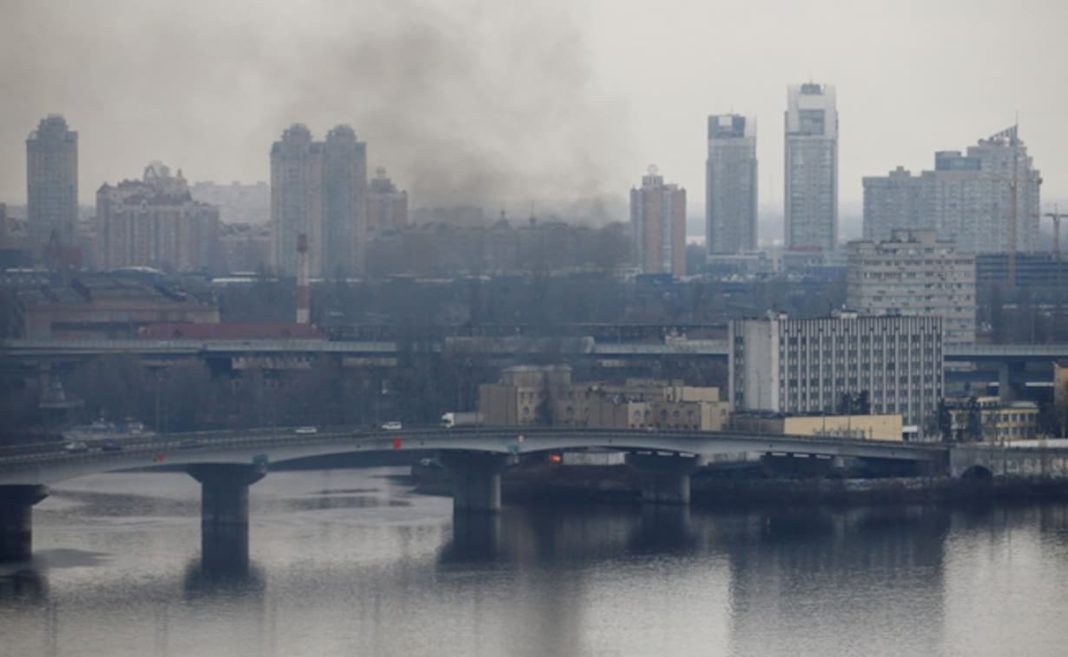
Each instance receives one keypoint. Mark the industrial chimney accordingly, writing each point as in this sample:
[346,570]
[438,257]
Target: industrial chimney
[303,296]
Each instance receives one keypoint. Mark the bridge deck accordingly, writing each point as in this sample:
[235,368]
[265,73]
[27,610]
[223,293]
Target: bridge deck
[277,445]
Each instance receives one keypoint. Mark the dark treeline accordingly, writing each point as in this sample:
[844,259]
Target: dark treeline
[199,394]
[444,250]
[537,300]
[1024,314]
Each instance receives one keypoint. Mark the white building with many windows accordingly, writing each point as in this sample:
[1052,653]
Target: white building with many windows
[809,366]
[967,198]
[914,274]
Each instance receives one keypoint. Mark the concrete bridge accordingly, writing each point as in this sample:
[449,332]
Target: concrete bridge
[227,463]
[988,461]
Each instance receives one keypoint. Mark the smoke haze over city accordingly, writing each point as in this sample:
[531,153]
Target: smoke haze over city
[511,104]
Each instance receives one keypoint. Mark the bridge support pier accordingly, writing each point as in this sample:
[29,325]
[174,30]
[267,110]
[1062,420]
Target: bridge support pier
[16,520]
[665,479]
[224,514]
[476,480]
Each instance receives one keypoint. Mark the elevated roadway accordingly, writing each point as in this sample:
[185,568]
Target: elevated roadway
[46,348]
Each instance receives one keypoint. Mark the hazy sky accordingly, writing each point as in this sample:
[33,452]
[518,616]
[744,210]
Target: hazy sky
[508,103]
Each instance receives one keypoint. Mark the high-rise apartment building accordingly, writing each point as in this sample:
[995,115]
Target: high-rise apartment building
[806,366]
[811,176]
[344,221]
[731,185]
[967,198]
[319,189]
[914,274]
[296,199]
[892,202]
[154,222]
[387,207]
[52,183]
[658,224]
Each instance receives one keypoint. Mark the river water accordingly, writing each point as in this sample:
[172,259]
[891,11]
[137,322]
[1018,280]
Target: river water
[348,562]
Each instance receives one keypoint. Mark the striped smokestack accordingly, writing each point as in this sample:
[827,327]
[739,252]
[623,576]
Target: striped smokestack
[303,296]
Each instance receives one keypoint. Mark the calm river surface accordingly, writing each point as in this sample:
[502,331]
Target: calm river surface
[348,562]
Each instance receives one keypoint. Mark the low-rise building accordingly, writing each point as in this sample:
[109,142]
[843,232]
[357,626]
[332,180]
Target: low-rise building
[859,427]
[101,306]
[987,419]
[244,247]
[546,396]
[1060,397]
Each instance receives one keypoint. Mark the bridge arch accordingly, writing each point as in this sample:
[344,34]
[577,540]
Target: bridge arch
[977,473]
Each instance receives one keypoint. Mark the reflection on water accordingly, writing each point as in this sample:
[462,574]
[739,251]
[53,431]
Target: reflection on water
[344,562]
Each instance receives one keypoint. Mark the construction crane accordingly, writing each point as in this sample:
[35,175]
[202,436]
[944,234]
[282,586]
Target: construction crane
[1014,187]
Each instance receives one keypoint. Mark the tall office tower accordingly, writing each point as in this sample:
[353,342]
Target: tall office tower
[296,177]
[967,198]
[344,204]
[52,182]
[658,225]
[319,189]
[731,185]
[805,366]
[387,207]
[811,175]
[914,274]
[154,222]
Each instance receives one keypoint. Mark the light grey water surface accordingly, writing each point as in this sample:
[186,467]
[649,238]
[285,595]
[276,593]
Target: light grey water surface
[349,562]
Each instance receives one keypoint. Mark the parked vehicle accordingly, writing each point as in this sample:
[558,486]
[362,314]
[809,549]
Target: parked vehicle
[461,419]
[392,425]
[306,431]
[110,445]
[75,447]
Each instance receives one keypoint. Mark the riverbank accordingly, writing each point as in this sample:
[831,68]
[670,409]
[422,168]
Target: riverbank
[546,484]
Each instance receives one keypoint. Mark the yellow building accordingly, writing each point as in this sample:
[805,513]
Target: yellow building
[859,427]
[986,419]
[1060,396]
[525,395]
[546,396]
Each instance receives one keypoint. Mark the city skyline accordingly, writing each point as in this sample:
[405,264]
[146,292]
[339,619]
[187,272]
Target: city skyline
[610,131]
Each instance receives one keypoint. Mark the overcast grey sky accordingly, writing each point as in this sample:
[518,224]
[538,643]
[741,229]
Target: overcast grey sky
[506,103]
